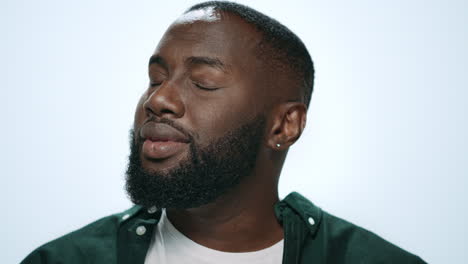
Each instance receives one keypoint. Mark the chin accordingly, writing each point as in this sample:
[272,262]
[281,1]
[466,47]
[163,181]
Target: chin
[163,165]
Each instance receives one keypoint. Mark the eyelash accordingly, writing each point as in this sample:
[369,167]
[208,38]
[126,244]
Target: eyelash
[196,84]
[204,88]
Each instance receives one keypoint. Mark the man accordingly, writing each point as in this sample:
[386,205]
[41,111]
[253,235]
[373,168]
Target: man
[228,95]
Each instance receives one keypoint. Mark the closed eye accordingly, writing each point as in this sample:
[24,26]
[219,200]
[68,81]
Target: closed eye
[154,84]
[205,88]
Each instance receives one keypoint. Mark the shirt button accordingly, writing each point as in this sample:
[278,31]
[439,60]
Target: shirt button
[152,210]
[141,230]
[311,221]
[125,217]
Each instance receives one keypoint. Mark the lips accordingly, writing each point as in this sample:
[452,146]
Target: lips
[162,141]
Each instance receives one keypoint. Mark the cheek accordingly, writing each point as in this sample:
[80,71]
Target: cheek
[139,112]
[214,119]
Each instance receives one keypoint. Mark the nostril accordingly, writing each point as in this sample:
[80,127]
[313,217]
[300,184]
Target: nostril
[149,111]
[166,111]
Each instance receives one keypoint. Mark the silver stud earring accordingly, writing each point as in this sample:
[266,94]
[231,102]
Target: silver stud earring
[278,145]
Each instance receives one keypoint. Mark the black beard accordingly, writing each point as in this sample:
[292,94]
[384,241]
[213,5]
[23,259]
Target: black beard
[205,175]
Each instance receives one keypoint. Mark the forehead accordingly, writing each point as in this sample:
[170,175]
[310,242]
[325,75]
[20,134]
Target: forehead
[203,33]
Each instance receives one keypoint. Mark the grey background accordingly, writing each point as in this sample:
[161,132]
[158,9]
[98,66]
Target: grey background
[385,144]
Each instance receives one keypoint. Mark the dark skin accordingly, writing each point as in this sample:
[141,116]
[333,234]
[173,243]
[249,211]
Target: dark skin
[205,77]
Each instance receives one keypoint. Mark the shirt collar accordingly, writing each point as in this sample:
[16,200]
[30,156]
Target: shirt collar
[309,213]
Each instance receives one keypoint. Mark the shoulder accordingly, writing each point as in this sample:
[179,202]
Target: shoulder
[96,241]
[358,245]
[335,240]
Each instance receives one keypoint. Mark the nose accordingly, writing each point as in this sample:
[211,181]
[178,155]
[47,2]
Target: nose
[165,101]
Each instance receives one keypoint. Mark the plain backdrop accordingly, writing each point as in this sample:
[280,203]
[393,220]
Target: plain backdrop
[384,147]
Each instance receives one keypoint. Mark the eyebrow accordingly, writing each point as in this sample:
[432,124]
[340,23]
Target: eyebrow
[208,61]
[156,59]
[192,61]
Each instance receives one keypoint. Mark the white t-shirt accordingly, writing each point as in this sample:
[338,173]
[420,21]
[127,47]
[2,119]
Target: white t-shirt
[169,246]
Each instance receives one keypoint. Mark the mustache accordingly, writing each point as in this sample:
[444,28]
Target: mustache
[168,122]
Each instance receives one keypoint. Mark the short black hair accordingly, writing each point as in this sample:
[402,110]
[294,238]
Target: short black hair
[288,49]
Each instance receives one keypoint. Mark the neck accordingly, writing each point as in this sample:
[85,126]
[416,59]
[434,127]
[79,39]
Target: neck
[242,220]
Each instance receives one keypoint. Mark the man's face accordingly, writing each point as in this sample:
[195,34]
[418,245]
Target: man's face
[199,125]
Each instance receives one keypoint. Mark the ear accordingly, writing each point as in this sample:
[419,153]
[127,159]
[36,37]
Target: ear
[289,120]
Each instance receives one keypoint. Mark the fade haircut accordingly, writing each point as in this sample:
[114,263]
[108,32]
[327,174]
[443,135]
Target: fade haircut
[278,44]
